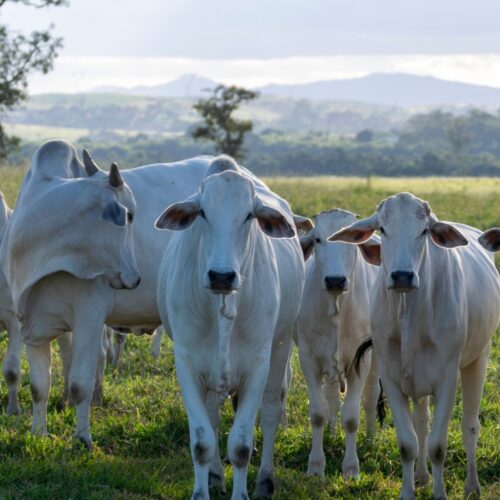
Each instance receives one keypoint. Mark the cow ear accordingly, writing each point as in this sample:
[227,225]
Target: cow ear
[370,250]
[446,235]
[307,244]
[357,233]
[178,216]
[491,239]
[116,213]
[302,224]
[272,221]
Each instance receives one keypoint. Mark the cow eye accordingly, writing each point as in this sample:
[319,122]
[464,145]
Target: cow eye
[130,217]
[317,240]
[202,213]
[249,216]
[382,230]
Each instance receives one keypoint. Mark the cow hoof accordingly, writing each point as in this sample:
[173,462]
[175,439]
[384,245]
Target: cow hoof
[86,441]
[472,489]
[350,472]
[422,480]
[265,487]
[215,481]
[13,409]
[316,467]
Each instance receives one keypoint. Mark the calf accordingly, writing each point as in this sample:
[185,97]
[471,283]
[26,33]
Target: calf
[435,307]
[229,291]
[332,323]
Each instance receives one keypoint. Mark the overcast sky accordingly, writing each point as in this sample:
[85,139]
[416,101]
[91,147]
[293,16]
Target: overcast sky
[259,41]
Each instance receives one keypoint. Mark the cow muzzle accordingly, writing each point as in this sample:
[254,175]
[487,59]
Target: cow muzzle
[336,284]
[403,281]
[221,282]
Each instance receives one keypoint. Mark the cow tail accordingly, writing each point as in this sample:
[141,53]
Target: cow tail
[367,344]
[381,404]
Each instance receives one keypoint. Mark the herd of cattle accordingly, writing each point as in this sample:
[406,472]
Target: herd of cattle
[237,279]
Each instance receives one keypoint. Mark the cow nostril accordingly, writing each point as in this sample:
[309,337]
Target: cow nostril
[335,282]
[402,276]
[226,278]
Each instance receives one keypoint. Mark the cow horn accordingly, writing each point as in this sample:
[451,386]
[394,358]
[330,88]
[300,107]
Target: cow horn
[115,179]
[90,165]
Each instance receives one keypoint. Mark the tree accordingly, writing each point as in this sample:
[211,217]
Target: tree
[365,135]
[220,126]
[19,56]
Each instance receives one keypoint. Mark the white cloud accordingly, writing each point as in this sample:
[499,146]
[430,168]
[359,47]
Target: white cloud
[76,74]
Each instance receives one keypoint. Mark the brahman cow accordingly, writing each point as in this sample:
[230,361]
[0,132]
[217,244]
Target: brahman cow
[229,291]
[436,304]
[333,322]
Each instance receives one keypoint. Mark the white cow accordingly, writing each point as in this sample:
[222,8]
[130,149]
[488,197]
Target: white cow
[333,322]
[491,239]
[229,291]
[434,310]
[73,240]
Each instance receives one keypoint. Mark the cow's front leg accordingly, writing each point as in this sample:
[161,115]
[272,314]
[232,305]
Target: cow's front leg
[216,473]
[407,440]
[270,416]
[97,396]
[12,366]
[443,406]
[87,338]
[39,359]
[241,438]
[201,434]
[371,393]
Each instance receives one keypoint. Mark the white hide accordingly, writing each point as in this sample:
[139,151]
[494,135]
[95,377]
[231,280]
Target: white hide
[234,342]
[442,325]
[330,327]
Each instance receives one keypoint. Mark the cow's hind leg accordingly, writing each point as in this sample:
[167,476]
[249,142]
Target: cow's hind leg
[216,473]
[420,417]
[65,343]
[12,366]
[39,359]
[371,393]
[472,388]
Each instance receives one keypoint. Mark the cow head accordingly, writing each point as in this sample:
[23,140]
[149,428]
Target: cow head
[336,260]
[111,214]
[225,209]
[405,223]
[491,239]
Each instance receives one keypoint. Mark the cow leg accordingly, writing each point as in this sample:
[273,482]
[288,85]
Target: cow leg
[472,388]
[66,352]
[443,406]
[120,339]
[156,344]
[87,342]
[371,392]
[332,394]
[350,421]
[216,472]
[407,439]
[110,351]
[39,359]
[318,411]
[201,434]
[12,366]
[420,418]
[241,437]
[97,396]
[271,410]
[287,381]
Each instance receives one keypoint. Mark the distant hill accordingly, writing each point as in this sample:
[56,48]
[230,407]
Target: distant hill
[185,86]
[395,89]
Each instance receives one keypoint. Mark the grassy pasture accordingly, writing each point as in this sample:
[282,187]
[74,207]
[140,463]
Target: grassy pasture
[140,435]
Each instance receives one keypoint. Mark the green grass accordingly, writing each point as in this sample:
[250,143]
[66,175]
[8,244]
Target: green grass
[140,435]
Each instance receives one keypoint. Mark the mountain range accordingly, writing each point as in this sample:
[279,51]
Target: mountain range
[395,89]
